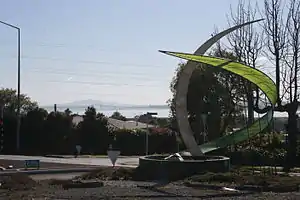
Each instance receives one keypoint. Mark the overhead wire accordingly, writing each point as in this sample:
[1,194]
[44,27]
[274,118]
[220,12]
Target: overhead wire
[132,75]
[81,46]
[144,76]
[61,45]
[141,76]
[87,61]
[117,73]
[103,84]
[144,80]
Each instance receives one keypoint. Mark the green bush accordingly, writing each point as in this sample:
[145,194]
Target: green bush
[134,142]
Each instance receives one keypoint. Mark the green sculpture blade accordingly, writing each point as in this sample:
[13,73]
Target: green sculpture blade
[265,83]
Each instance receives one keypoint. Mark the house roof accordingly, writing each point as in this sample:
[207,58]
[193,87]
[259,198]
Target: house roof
[130,125]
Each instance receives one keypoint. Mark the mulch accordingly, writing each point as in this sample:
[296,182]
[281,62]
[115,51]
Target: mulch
[17,164]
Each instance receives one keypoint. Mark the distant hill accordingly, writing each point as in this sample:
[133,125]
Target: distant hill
[92,102]
[104,105]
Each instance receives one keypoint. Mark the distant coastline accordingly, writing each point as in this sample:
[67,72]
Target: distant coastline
[107,108]
[128,110]
[162,111]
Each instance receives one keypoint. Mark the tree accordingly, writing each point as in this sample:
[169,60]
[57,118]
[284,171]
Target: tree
[33,131]
[208,93]
[246,44]
[281,45]
[93,132]
[57,130]
[8,97]
[275,31]
[282,32]
[163,122]
[68,112]
[90,113]
[117,115]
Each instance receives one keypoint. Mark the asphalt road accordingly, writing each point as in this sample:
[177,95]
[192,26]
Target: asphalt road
[68,163]
[123,161]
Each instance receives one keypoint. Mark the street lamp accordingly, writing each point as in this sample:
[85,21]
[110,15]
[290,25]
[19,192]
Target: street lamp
[19,84]
[149,114]
[204,121]
[1,126]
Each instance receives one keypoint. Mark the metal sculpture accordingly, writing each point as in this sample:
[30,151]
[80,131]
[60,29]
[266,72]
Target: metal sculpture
[255,76]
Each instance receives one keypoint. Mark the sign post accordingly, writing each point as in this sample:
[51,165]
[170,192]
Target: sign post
[78,149]
[113,155]
[204,121]
[149,115]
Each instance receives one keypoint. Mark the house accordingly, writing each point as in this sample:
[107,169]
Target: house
[77,119]
[119,124]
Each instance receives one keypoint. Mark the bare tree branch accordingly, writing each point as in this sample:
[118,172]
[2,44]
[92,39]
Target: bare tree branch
[275,32]
[247,44]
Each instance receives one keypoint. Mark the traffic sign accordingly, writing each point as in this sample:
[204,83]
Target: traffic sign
[113,156]
[32,164]
[151,113]
[78,149]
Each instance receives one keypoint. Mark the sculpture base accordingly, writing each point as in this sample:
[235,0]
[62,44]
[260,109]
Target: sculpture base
[158,168]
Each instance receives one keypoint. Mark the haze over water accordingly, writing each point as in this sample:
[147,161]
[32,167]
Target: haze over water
[129,111]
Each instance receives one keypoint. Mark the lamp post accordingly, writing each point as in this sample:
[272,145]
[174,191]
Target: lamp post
[1,126]
[149,114]
[19,82]
[204,121]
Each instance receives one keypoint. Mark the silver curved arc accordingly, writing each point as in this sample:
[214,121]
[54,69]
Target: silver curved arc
[182,89]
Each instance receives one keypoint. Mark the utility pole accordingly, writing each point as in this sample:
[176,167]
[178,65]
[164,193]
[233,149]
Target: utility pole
[19,84]
[1,127]
[19,89]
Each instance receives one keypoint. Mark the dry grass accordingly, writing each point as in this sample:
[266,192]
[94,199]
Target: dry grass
[17,181]
[241,179]
[236,178]
[110,173]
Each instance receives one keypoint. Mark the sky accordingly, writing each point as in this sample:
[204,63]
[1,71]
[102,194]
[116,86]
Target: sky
[102,50]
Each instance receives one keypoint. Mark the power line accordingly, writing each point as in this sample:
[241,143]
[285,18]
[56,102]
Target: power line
[89,61]
[103,84]
[90,71]
[93,93]
[88,46]
[144,77]
[109,76]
